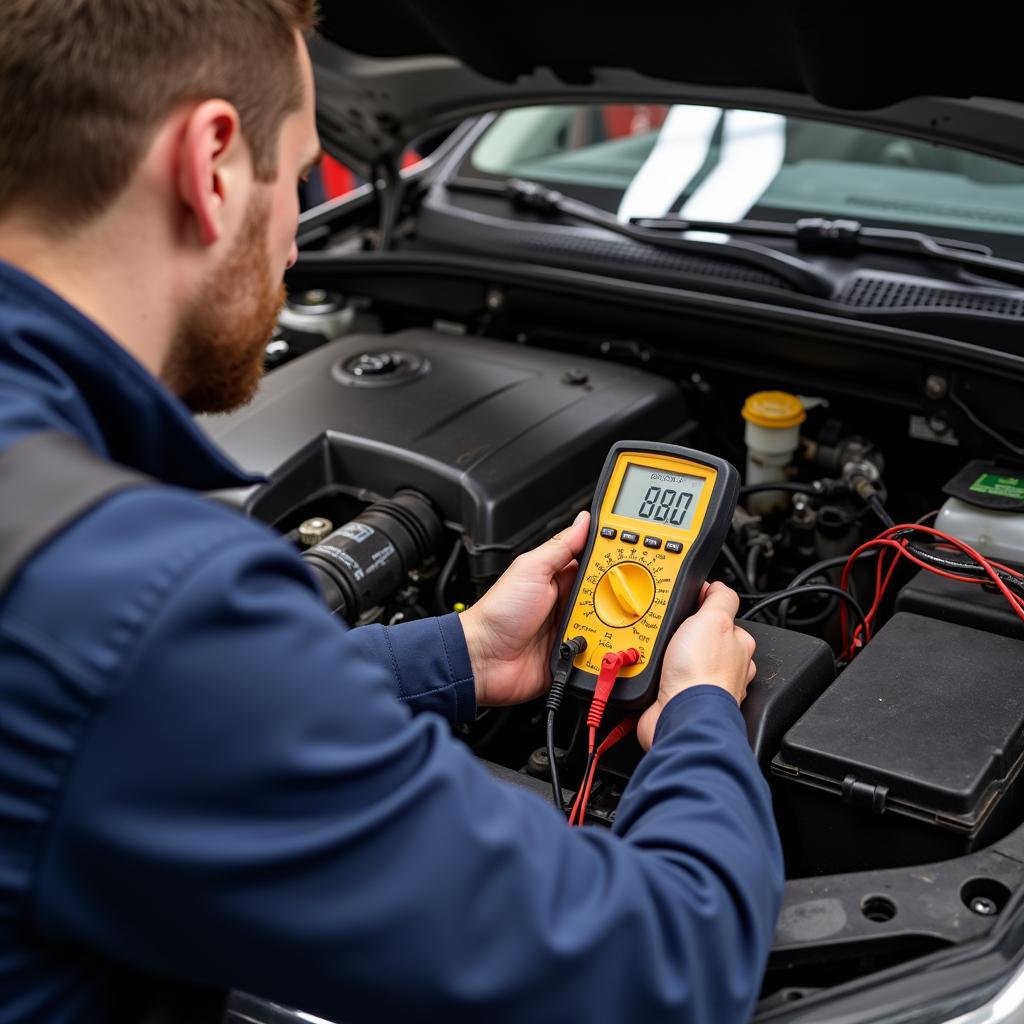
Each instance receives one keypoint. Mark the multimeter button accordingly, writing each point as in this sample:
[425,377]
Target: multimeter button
[673,547]
[608,531]
[652,542]
[630,538]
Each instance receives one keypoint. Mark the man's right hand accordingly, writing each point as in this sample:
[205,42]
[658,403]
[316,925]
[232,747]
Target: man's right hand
[708,648]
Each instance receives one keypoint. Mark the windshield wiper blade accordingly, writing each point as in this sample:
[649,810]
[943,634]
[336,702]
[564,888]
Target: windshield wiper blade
[534,198]
[851,238]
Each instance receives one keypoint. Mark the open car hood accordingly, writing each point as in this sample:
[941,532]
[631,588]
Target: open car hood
[389,71]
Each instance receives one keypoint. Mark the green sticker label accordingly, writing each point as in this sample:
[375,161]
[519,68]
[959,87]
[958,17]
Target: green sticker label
[1003,486]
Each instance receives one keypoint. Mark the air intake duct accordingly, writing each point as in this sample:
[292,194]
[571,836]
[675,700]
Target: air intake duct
[362,564]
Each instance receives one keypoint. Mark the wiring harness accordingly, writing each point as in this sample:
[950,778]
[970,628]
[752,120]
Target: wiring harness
[942,557]
[915,543]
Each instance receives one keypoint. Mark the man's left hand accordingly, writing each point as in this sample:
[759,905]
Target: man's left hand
[510,630]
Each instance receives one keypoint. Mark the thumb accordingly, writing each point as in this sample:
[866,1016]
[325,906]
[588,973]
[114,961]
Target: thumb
[564,578]
[645,727]
[558,552]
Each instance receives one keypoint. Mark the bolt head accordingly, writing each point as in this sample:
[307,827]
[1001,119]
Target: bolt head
[984,906]
[314,530]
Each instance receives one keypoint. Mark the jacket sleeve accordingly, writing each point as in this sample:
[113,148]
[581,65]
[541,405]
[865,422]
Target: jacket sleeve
[236,817]
[429,663]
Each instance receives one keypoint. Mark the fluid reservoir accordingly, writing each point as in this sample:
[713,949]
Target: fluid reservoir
[772,435]
[318,312]
[998,535]
[986,509]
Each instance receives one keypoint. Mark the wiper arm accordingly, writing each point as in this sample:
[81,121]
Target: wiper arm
[529,196]
[812,235]
[850,238]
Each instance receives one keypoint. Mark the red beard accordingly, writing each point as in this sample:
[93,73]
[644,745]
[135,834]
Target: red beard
[216,361]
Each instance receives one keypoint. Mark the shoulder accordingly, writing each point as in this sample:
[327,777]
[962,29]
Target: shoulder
[92,591]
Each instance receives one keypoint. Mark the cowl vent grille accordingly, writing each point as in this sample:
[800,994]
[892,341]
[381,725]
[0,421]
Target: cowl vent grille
[886,293]
[626,251]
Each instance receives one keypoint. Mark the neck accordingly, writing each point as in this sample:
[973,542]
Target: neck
[105,272]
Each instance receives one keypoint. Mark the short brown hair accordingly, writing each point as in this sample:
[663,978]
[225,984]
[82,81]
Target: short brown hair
[85,83]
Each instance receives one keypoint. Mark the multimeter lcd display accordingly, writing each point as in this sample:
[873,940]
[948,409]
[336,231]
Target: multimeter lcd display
[655,496]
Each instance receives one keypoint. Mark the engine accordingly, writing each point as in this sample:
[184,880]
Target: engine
[411,468]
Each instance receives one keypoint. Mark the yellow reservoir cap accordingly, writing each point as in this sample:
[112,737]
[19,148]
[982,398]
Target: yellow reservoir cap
[776,410]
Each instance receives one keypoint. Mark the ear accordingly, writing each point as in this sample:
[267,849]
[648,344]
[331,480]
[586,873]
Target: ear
[213,166]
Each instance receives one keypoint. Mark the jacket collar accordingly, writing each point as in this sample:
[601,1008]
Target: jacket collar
[91,385]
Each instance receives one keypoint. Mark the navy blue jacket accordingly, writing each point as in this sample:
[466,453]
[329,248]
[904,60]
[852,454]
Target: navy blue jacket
[205,776]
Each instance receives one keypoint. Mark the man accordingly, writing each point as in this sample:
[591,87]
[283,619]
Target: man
[203,776]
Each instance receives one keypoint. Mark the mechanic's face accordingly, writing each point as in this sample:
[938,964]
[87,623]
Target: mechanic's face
[217,360]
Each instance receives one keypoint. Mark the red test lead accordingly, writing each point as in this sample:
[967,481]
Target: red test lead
[610,665]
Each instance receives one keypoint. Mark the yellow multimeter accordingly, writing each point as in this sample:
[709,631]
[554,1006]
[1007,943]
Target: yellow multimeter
[660,516]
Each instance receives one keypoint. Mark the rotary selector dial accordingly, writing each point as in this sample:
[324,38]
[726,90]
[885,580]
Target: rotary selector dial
[624,594]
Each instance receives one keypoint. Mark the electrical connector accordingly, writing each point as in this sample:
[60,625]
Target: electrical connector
[610,665]
[568,651]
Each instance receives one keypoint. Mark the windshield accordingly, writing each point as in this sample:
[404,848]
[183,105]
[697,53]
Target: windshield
[707,163]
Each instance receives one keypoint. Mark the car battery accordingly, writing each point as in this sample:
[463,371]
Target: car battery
[953,601]
[912,755]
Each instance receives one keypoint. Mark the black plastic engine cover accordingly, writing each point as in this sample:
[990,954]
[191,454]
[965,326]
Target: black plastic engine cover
[505,440]
[793,670]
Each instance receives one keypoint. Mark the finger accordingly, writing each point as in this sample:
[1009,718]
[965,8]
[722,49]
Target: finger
[704,588]
[558,552]
[722,598]
[751,672]
[748,642]
[645,727]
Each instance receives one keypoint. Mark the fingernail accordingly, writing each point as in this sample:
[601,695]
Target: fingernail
[579,516]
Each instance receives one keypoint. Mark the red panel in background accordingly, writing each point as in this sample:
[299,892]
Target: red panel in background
[338,179]
[633,119]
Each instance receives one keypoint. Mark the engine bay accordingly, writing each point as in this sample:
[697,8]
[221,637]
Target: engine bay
[460,441]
